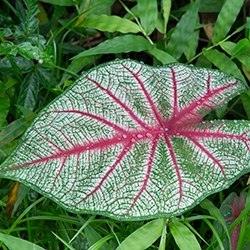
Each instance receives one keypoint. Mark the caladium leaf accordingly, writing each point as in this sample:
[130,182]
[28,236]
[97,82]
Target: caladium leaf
[128,141]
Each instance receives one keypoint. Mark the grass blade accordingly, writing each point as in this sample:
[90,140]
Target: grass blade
[215,212]
[216,235]
[25,212]
[195,232]
[93,236]
[81,229]
[243,232]
[248,27]
[63,241]
[226,18]
[101,242]
[143,237]
[162,245]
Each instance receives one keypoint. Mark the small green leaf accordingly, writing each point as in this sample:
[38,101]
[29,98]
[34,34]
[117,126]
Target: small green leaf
[226,18]
[224,63]
[166,6]
[161,56]
[119,44]
[148,14]
[228,46]
[110,24]
[241,51]
[242,46]
[29,51]
[14,243]
[183,237]
[8,48]
[20,63]
[29,89]
[160,25]
[143,237]
[183,31]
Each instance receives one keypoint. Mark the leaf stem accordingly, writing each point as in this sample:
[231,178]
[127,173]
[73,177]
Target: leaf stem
[66,70]
[137,21]
[217,44]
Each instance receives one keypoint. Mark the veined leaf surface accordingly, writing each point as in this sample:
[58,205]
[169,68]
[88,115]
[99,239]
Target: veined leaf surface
[128,141]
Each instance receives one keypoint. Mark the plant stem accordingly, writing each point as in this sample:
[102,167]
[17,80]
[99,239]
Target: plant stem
[137,21]
[217,44]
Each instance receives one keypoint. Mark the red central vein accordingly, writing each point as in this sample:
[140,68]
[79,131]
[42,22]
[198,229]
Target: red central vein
[95,117]
[129,137]
[121,104]
[200,102]
[176,167]
[76,150]
[109,171]
[151,103]
[175,104]
[209,154]
[148,171]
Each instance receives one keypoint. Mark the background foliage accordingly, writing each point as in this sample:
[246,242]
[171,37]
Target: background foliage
[43,47]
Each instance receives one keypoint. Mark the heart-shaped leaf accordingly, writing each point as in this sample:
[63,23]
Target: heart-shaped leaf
[128,141]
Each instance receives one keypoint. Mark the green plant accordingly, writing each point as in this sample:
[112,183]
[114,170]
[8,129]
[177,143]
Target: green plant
[43,46]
